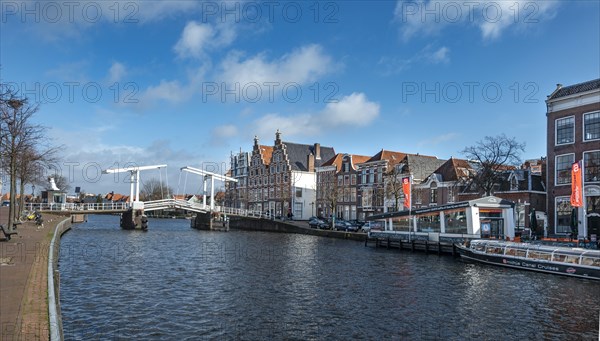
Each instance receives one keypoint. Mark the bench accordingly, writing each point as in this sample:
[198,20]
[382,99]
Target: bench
[7,234]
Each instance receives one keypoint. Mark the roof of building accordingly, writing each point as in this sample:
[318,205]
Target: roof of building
[266,152]
[338,158]
[116,197]
[564,91]
[392,157]
[421,166]
[298,153]
[454,169]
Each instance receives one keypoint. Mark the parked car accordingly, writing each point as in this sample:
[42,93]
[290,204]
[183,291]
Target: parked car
[358,223]
[372,226]
[316,223]
[342,225]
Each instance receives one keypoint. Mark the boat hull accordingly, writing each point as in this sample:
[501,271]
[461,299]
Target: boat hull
[573,270]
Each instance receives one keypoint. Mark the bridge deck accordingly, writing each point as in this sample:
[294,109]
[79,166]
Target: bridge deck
[120,207]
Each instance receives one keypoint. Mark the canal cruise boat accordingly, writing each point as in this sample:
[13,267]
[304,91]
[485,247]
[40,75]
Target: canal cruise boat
[575,262]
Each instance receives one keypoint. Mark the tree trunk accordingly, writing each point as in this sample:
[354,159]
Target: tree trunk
[13,193]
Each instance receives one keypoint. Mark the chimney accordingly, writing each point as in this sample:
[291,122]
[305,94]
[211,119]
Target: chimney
[310,162]
[317,151]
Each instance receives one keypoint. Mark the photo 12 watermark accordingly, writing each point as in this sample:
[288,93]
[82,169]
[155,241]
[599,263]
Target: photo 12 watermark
[90,12]
[270,11]
[253,92]
[87,92]
[469,91]
[451,12]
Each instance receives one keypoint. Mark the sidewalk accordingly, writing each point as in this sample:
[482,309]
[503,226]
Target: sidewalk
[24,280]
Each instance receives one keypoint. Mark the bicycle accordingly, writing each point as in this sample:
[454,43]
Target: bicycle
[31,215]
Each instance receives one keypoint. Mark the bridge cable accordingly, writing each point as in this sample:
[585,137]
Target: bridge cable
[162,196]
[178,182]
[185,183]
[167,179]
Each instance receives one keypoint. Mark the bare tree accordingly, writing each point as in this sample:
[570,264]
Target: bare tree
[31,166]
[153,189]
[393,186]
[493,154]
[18,137]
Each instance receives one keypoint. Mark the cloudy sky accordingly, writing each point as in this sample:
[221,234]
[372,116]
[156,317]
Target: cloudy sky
[187,82]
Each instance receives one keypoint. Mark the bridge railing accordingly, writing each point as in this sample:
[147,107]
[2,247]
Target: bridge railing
[108,206]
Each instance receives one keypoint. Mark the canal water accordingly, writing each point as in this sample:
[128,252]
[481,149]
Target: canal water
[177,283]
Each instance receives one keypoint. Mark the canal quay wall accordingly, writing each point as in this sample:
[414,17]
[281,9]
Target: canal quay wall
[274,225]
[54,315]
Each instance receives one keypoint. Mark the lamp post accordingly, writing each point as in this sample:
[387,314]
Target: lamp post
[32,193]
[312,207]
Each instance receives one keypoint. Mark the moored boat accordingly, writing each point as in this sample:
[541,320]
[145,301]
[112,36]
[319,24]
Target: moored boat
[576,262]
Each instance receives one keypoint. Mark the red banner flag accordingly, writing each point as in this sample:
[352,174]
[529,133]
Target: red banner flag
[406,190]
[576,188]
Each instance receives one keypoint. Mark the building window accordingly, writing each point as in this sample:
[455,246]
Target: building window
[565,130]
[364,176]
[514,184]
[429,223]
[371,176]
[591,126]
[456,222]
[353,179]
[433,196]
[298,192]
[563,168]
[563,215]
[592,166]
[346,180]
[366,197]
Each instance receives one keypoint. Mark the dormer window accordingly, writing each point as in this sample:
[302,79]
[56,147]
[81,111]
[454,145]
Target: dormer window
[514,184]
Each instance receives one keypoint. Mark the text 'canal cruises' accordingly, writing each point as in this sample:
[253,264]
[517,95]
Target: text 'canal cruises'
[567,261]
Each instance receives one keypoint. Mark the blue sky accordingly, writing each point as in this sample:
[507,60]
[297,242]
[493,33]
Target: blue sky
[185,82]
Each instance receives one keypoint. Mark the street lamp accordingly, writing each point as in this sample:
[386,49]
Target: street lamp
[312,209]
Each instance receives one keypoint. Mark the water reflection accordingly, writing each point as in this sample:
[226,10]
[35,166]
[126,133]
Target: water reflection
[173,282]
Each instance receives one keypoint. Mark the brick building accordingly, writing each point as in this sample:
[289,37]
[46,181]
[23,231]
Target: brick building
[573,134]
[337,186]
[372,196]
[282,179]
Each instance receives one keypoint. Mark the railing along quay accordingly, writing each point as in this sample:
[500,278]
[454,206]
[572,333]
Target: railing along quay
[417,241]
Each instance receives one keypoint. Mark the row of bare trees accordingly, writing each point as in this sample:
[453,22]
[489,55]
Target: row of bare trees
[25,149]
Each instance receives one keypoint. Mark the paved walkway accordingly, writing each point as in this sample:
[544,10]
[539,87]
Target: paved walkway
[24,279]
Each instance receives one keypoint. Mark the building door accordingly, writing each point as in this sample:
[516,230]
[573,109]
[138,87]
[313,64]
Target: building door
[492,228]
[593,216]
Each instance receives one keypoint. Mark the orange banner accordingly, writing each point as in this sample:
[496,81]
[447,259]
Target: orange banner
[576,188]
[406,190]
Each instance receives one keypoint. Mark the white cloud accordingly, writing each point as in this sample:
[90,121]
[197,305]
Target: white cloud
[440,56]
[302,124]
[197,38]
[394,65]
[493,18]
[439,139]
[171,91]
[303,65]
[116,72]
[354,110]
[225,131]
[194,39]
